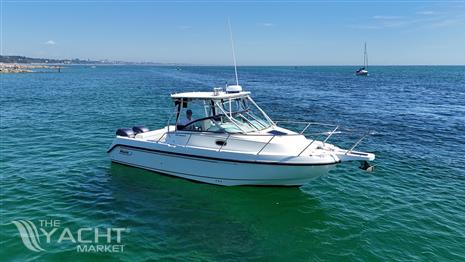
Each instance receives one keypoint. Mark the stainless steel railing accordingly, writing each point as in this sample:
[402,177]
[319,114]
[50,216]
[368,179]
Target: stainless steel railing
[236,136]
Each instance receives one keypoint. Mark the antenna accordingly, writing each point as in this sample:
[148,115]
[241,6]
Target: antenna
[234,54]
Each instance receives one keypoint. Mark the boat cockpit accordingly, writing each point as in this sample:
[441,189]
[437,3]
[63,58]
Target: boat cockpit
[219,112]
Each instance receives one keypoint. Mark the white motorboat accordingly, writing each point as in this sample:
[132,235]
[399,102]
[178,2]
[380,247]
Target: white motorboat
[223,137]
[363,71]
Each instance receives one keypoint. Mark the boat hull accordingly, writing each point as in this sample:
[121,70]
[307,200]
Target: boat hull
[217,171]
[362,73]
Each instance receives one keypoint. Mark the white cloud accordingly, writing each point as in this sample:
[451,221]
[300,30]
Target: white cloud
[447,22]
[363,26]
[425,18]
[386,17]
[425,13]
[266,24]
[50,42]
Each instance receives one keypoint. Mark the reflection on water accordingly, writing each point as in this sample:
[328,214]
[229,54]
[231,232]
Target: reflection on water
[235,219]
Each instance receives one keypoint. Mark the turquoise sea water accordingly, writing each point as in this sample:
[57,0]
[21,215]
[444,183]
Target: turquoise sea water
[56,128]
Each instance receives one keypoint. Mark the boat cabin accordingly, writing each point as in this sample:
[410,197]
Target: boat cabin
[229,111]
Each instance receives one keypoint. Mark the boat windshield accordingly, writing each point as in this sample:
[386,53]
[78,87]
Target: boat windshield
[236,115]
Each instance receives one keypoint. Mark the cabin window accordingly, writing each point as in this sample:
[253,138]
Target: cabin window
[236,115]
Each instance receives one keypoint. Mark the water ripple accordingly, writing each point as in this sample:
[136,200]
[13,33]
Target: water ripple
[57,128]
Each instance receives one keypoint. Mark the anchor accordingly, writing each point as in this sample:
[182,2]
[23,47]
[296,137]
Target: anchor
[366,166]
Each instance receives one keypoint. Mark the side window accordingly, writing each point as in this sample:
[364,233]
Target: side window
[190,111]
[204,125]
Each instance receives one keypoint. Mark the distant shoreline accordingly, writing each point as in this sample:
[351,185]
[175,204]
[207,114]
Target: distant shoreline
[26,67]
[13,68]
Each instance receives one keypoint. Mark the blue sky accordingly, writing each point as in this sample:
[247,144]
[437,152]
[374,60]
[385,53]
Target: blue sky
[266,32]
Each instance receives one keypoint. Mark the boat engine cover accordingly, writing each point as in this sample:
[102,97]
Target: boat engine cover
[127,132]
[139,129]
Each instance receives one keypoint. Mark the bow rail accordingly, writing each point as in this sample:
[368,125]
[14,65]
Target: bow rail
[315,136]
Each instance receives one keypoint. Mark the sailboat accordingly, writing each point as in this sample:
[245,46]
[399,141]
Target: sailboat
[363,71]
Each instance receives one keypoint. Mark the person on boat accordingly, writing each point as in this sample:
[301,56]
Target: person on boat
[184,122]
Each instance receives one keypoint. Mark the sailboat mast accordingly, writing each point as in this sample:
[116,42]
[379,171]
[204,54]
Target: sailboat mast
[365,62]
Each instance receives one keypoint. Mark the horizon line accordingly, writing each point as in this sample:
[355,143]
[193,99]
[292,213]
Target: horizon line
[107,61]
